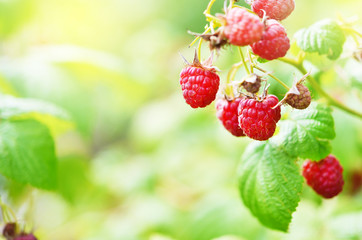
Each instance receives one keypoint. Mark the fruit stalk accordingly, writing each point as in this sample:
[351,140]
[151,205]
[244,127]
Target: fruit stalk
[272,76]
[299,65]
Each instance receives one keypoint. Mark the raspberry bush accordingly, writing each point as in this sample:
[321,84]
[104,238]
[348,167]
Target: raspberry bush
[298,126]
[99,138]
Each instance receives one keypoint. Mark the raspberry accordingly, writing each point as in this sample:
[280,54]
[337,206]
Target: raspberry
[274,42]
[252,83]
[242,27]
[300,99]
[227,113]
[258,118]
[274,9]
[324,176]
[199,84]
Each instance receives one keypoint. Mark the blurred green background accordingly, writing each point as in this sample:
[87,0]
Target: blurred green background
[140,163]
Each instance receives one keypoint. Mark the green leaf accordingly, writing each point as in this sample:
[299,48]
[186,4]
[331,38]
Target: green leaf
[27,153]
[324,37]
[262,60]
[306,133]
[12,107]
[269,184]
[55,118]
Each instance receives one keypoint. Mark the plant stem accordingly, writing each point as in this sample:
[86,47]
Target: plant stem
[209,17]
[272,76]
[251,61]
[247,9]
[208,9]
[199,50]
[232,72]
[243,59]
[318,88]
[198,37]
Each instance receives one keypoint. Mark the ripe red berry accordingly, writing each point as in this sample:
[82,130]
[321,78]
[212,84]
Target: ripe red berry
[324,176]
[258,118]
[274,9]
[227,113]
[242,27]
[199,84]
[274,42]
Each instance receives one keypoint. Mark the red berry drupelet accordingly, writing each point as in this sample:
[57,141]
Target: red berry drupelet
[257,118]
[199,85]
[242,27]
[324,176]
[274,43]
[227,113]
[274,9]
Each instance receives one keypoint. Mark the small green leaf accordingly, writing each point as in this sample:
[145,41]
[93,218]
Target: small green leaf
[325,37]
[55,118]
[27,153]
[12,107]
[269,184]
[262,60]
[306,133]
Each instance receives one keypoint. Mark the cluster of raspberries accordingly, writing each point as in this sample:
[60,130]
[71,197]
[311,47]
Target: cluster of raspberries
[252,114]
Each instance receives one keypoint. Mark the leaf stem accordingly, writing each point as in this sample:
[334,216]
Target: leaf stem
[232,72]
[272,76]
[318,88]
[243,59]
[208,9]
[199,49]
[198,37]
[251,61]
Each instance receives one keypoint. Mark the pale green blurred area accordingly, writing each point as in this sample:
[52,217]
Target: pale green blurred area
[141,164]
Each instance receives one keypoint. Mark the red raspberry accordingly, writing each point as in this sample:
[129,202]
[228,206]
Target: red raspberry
[274,9]
[324,176]
[227,113]
[274,43]
[199,85]
[258,118]
[242,27]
